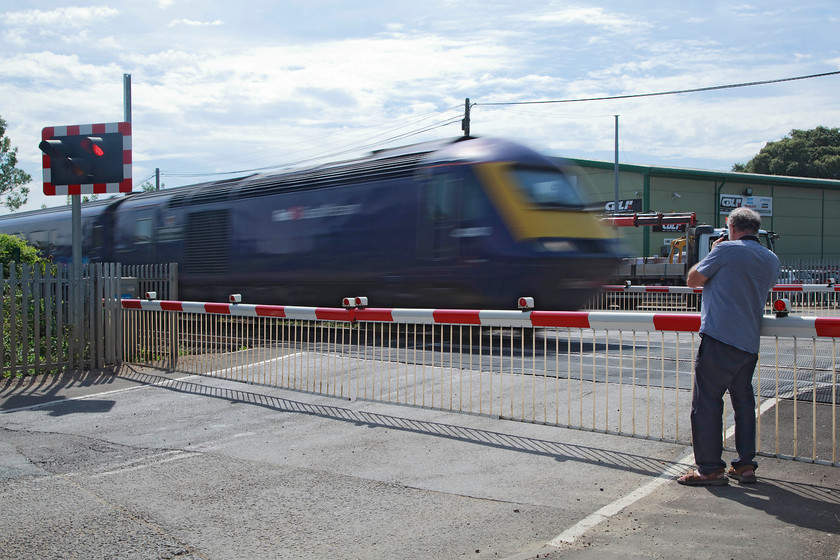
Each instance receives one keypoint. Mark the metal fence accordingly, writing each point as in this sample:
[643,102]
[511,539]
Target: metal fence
[140,279]
[613,372]
[805,299]
[809,271]
[46,329]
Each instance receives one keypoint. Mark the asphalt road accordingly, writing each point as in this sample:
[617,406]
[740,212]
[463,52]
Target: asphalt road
[144,464]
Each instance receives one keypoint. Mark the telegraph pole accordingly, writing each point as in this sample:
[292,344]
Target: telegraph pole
[615,170]
[465,123]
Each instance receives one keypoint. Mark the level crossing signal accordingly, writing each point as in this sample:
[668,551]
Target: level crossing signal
[87,159]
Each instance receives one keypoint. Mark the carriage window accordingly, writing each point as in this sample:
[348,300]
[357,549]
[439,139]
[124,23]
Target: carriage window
[40,240]
[143,231]
[547,187]
[98,239]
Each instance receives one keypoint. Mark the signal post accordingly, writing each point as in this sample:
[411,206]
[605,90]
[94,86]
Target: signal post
[85,159]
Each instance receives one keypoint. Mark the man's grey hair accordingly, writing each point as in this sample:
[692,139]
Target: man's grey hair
[745,220]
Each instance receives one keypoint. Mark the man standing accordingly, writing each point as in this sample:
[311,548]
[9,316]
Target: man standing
[736,277]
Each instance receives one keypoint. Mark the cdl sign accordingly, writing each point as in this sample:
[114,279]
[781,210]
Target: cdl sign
[729,202]
[761,204]
[630,205]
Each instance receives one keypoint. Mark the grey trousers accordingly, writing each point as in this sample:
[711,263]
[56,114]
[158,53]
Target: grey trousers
[720,367]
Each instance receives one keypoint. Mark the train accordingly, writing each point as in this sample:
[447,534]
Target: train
[460,223]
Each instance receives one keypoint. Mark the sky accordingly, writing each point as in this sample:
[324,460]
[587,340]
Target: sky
[220,89]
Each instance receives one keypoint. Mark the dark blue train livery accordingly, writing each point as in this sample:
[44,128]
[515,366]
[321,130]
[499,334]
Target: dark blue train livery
[469,223]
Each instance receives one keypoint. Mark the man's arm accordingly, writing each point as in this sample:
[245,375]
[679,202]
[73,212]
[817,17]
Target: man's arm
[695,279]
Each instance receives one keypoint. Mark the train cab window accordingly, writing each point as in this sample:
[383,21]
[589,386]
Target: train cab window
[442,200]
[143,231]
[547,187]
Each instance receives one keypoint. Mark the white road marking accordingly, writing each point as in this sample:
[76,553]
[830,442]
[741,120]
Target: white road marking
[571,534]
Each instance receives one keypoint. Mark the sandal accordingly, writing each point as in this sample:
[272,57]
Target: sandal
[744,474]
[694,478]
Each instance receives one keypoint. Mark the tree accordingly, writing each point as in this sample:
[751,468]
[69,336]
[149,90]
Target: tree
[804,153]
[15,249]
[148,186]
[13,181]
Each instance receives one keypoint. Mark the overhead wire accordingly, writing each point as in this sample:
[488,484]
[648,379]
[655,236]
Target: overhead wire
[350,149]
[672,92]
[368,144]
[342,151]
[146,178]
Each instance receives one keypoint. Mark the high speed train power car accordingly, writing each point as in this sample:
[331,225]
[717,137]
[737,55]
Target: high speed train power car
[467,223]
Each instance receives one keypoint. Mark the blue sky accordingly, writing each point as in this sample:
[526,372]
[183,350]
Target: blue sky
[219,87]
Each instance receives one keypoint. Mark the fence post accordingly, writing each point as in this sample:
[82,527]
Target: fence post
[3,315]
[13,314]
[118,315]
[173,281]
[25,298]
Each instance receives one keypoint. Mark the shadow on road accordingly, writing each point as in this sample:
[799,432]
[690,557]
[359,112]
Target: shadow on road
[630,462]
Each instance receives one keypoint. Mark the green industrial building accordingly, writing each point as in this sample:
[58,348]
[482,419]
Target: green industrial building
[804,212]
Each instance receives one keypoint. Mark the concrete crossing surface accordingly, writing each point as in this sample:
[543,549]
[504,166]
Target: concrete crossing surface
[145,464]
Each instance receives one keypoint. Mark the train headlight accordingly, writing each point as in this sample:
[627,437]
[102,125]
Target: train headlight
[559,246]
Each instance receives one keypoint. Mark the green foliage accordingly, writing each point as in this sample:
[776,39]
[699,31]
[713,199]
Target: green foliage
[13,181]
[15,249]
[30,334]
[804,153]
[148,186]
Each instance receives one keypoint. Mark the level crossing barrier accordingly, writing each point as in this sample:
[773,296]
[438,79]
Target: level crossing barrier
[613,372]
[806,299]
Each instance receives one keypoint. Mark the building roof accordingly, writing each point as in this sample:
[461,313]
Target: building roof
[710,175]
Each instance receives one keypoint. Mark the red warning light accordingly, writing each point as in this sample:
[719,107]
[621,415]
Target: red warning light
[781,307]
[93,144]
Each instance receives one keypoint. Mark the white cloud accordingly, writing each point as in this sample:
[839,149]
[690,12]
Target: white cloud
[71,16]
[194,23]
[69,25]
[591,16]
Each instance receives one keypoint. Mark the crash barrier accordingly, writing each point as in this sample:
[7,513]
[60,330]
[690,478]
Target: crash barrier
[619,373]
[821,300]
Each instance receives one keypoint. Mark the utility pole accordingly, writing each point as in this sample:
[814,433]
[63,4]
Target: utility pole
[615,170]
[157,178]
[465,123]
[127,97]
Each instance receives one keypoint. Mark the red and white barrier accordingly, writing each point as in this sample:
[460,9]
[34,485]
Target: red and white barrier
[651,289]
[791,326]
[806,288]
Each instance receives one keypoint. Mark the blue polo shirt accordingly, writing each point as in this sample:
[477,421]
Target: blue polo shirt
[740,275]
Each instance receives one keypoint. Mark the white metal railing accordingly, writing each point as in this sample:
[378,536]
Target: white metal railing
[614,372]
[805,299]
